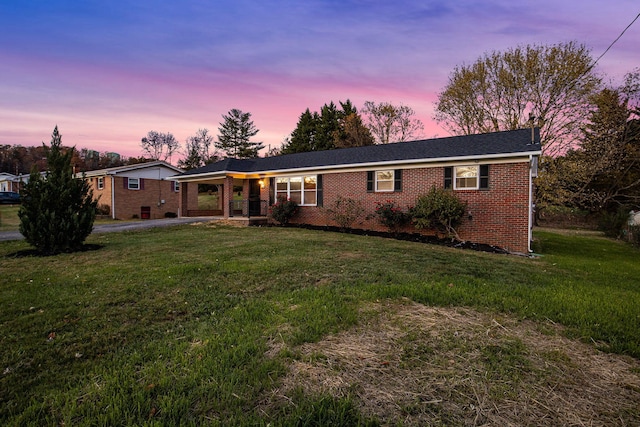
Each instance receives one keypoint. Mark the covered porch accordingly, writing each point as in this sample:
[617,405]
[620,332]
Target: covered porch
[239,198]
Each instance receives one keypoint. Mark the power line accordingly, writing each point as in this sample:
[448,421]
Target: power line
[618,38]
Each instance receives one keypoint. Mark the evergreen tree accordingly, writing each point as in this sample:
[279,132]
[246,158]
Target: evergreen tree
[235,133]
[58,209]
[332,128]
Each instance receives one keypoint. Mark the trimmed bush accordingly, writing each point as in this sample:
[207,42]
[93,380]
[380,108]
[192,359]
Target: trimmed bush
[345,212]
[283,210]
[391,215]
[439,209]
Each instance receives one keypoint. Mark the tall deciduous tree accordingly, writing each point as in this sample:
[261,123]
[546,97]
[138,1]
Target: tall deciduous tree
[501,90]
[198,150]
[391,123]
[235,133]
[159,146]
[58,209]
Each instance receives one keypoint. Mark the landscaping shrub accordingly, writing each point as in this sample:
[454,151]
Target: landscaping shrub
[391,215]
[346,211]
[439,209]
[103,209]
[170,215]
[613,224]
[283,210]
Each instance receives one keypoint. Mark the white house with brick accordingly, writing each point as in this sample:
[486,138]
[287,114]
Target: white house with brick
[137,191]
[491,172]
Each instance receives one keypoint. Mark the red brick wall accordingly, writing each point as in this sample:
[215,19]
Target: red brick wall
[499,215]
[130,202]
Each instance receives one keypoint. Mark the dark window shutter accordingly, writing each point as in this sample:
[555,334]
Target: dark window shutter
[319,190]
[448,177]
[125,182]
[370,182]
[484,177]
[272,190]
[142,183]
[397,180]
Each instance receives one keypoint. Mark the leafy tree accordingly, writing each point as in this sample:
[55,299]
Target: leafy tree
[58,209]
[159,146]
[235,132]
[351,131]
[501,90]
[198,151]
[391,123]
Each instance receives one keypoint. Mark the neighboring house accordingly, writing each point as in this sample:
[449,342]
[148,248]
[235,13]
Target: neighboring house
[491,172]
[10,182]
[136,191]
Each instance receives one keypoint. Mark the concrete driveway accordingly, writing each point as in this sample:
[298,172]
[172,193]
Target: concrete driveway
[122,226]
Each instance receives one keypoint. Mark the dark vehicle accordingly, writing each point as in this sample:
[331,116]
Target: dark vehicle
[9,198]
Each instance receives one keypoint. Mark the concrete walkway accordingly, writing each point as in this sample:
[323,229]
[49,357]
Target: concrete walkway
[122,226]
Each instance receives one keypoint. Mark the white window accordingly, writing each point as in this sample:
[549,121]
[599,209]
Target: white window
[176,186]
[466,177]
[384,180]
[134,184]
[100,182]
[299,189]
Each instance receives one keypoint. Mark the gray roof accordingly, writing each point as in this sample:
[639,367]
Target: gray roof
[516,142]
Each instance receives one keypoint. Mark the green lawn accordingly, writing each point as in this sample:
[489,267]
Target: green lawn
[171,326]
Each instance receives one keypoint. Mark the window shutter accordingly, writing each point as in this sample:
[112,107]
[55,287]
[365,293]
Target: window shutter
[448,177]
[484,177]
[272,190]
[125,183]
[370,182]
[141,183]
[397,180]
[319,190]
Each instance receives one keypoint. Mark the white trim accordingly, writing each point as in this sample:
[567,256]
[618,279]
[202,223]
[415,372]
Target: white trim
[530,222]
[113,198]
[356,167]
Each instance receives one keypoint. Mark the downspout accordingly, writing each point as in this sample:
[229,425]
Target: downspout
[530,227]
[113,198]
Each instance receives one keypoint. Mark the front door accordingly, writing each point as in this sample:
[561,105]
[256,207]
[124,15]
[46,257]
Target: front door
[254,197]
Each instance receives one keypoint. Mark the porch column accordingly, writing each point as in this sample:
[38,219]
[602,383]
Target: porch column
[227,196]
[183,202]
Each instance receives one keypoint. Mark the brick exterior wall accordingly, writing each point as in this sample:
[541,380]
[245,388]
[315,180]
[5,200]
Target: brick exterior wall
[129,203]
[499,215]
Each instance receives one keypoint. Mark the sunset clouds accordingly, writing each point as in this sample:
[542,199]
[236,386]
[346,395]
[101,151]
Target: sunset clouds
[108,72]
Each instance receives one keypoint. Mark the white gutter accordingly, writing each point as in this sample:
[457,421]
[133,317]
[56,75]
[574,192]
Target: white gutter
[530,228]
[222,174]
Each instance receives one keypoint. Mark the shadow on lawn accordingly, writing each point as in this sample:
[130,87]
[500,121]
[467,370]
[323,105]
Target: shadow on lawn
[26,253]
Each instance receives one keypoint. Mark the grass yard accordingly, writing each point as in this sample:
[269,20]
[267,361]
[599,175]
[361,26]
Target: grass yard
[219,325]
[9,220]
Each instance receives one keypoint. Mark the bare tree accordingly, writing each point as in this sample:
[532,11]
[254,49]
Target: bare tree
[391,123]
[159,146]
[501,90]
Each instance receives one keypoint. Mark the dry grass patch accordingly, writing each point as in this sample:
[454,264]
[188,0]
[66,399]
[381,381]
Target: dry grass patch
[418,365]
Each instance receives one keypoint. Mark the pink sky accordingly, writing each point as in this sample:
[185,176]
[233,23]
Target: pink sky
[108,72]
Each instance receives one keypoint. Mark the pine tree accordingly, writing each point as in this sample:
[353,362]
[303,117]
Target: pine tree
[235,133]
[58,209]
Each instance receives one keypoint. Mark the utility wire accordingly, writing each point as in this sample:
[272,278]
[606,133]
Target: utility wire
[618,38]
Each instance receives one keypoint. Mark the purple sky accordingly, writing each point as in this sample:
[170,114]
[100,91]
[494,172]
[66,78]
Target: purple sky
[107,72]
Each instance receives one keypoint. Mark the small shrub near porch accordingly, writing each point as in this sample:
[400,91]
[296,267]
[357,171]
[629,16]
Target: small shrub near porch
[283,210]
